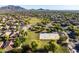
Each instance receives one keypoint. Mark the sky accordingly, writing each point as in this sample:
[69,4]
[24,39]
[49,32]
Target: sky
[45,4]
[51,7]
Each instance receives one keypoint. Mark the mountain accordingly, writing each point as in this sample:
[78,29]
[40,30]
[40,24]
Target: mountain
[11,8]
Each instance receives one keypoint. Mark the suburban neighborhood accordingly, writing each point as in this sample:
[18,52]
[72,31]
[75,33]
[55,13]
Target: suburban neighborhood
[38,31]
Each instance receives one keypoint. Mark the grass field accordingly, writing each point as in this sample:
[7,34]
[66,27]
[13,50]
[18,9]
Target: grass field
[34,20]
[32,36]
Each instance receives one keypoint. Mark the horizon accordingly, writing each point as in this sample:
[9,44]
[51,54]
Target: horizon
[50,7]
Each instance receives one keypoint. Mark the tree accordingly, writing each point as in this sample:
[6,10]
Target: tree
[6,37]
[77,32]
[17,42]
[34,45]
[45,20]
[26,49]
[23,33]
[22,38]
[71,27]
[57,27]
[63,37]
[47,47]
[52,46]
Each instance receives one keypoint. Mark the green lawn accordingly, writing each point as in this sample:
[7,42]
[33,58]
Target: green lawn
[1,50]
[34,20]
[32,36]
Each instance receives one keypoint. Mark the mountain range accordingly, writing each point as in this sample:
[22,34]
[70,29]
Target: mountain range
[11,8]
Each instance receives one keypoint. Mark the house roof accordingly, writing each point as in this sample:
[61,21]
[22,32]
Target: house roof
[49,36]
[1,43]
